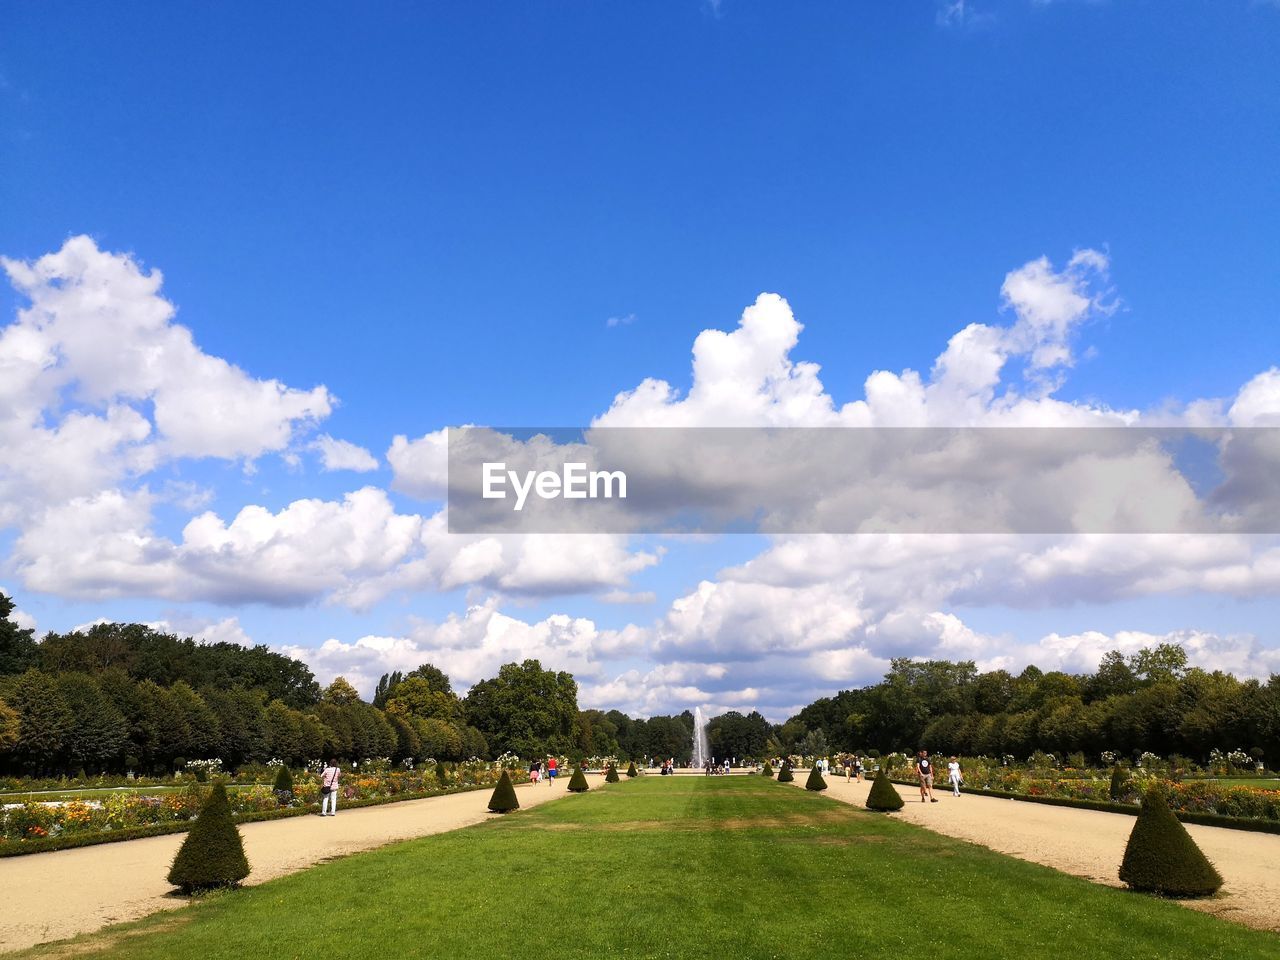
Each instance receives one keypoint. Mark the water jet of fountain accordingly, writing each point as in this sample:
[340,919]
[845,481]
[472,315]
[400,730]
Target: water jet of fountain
[701,753]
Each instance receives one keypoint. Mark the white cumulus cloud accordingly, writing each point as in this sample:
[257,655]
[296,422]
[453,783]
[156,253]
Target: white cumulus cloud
[343,455]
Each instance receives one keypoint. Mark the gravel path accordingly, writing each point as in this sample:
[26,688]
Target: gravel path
[51,896]
[1090,843]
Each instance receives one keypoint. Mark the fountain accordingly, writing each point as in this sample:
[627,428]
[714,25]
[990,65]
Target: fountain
[701,753]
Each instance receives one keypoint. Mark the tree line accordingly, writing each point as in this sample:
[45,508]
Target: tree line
[117,697]
[1150,701]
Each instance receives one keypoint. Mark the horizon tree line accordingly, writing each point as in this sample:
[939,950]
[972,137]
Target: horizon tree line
[118,697]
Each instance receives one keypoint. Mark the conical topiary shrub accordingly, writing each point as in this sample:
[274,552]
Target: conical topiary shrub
[578,782]
[504,796]
[283,786]
[612,775]
[441,776]
[212,854]
[882,796]
[785,775]
[1162,858]
[815,781]
[631,769]
[1118,780]
[766,770]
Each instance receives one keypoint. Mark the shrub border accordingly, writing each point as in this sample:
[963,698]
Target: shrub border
[20,848]
[1249,824]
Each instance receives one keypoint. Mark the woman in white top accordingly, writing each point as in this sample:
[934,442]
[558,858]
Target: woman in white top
[953,774]
[329,789]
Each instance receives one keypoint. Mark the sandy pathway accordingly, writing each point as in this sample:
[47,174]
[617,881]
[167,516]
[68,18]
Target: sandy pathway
[50,896]
[1090,843]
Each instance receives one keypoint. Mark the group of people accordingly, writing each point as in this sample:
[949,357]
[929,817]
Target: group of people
[855,769]
[924,771]
[547,770]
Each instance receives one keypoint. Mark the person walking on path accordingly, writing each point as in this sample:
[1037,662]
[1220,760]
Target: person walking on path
[924,769]
[848,769]
[953,774]
[857,768]
[535,772]
[551,770]
[329,780]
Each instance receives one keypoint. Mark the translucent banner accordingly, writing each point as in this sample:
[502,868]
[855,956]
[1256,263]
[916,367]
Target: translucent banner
[877,480]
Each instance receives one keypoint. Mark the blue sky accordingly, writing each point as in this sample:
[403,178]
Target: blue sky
[433,211]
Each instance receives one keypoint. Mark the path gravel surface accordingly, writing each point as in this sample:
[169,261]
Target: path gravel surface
[1090,844]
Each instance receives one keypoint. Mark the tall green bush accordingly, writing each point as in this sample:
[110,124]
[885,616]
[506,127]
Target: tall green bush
[283,781]
[284,785]
[631,769]
[1161,857]
[504,795]
[766,770]
[882,796]
[1119,777]
[212,855]
[815,781]
[785,775]
[578,782]
[612,775]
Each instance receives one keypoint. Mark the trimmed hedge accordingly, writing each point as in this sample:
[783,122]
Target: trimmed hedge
[882,796]
[815,781]
[212,855]
[1119,777]
[1161,857]
[578,782]
[785,775]
[612,775]
[631,770]
[766,770]
[504,796]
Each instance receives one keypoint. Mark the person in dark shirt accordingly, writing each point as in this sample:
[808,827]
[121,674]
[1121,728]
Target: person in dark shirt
[924,769]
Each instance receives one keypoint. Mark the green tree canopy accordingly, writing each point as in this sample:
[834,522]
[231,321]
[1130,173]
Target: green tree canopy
[18,652]
[415,697]
[526,709]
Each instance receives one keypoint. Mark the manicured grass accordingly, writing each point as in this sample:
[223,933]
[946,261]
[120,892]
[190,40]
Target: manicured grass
[1262,783]
[723,867]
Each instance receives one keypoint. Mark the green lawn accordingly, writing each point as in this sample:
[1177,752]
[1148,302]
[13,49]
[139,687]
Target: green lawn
[732,868]
[1267,783]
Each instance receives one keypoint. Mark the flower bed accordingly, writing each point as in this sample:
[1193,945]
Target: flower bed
[1202,802]
[1239,806]
[31,826]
